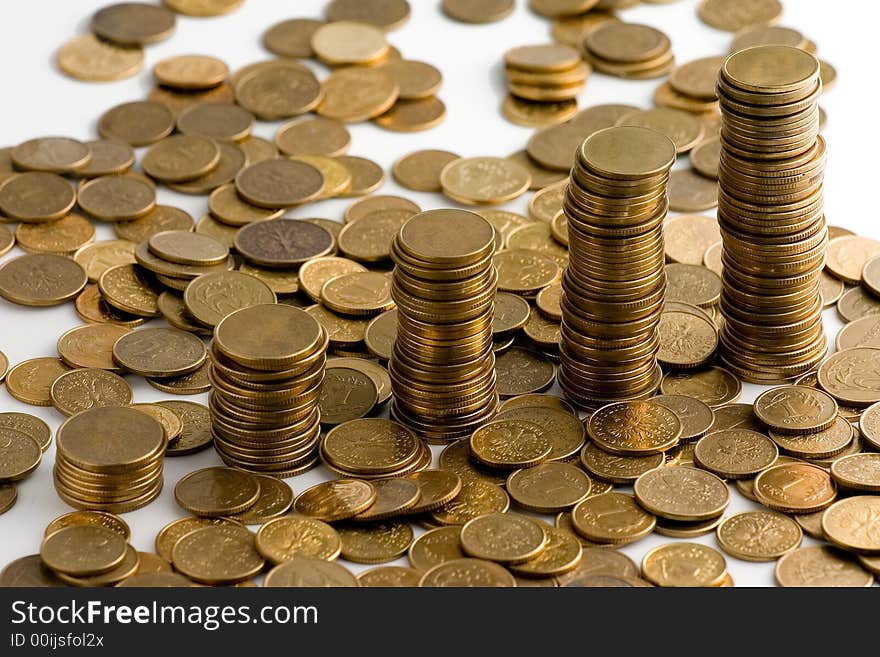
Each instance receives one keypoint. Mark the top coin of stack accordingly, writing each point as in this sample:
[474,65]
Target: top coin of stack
[443,368]
[629,50]
[267,369]
[771,213]
[614,285]
[545,73]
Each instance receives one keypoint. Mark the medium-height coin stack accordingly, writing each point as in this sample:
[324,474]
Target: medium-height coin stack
[443,369]
[267,368]
[614,284]
[109,459]
[771,213]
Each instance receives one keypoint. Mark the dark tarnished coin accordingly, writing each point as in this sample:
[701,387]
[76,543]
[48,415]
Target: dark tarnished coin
[220,121]
[36,196]
[41,279]
[133,23]
[138,123]
[116,198]
[279,183]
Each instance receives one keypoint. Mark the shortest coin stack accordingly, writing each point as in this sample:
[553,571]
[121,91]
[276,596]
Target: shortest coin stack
[109,459]
[443,368]
[629,50]
[267,370]
[549,73]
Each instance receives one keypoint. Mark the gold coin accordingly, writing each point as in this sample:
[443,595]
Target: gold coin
[279,183]
[714,386]
[31,381]
[436,488]
[150,579]
[291,38]
[475,499]
[277,90]
[856,303]
[88,58]
[847,256]
[358,293]
[503,538]
[337,178]
[100,518]
[211,297]
[366,206]
[346,395]
[116,198]
[562,554]
[220,121]
[203,8]
[385,14]
[435,547]
[510,444]
[175,313]
[82,389]
[90,346]
[375,542]
[195,432]
[133,24]
[846,376]
[62,237]
[394,497]
[366,175]
[617,469]
[313,136]
[549,487]
[389,576]
[691,192]
[413,115]
[190,72]
[83,550]
[28,572]
[523,271]
[370,446]
[533,114]
[51,154]
[343,331]
[796,410]
[356,94]
[369,238]
[795,488]
[335,500]
[732,16]
[696,417]
[682,493]
[684,564]
[381,334]
[824,444]
[177,101]
[188,384]
[288,537]
[521,371]
[210,227]
[137,123]
[20,453]
[217,491]
[420,170]
[171,423]
[348,42]
[634,428]
[317,271]
[613,518]
[41,279]
[159,352]
[96,258]
[177,529]
[478,11]
[759,535]
[36,196]
[857,472]
[181,157]
[735,453]
[484,180]
[845,524]
[460,573]
[30,425]
[232,160]
[415,80]
[127,568]
[820,566]
[308,572]
[220,554]
[228,207]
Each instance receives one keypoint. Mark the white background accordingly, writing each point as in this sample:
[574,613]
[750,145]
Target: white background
[37,100]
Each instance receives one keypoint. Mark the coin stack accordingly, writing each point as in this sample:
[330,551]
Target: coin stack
[266,372]
[614,285]
[771,213]
[629,50]
[442,368]
[545,73]
[109,459]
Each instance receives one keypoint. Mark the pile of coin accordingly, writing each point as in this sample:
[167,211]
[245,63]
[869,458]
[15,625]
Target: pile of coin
[614,285]
[551,73]
[442,367]
[629,50]
[771,213]
[266,372]
[109,459]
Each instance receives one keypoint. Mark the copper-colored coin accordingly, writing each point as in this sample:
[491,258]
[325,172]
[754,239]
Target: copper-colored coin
[83,550]
[223,554]
[714,386]
[217,491]
[611,518]
[88,58]
[735,453]
[279,183]
[682,493]
[336,500]
[795,488]
[133,23]
[358,293]
[41,279]
[137,123]
[36,196]
[347,394]
[307,572]
[278,91]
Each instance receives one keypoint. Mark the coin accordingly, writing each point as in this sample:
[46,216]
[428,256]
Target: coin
[158,352]
[389,576]
[684,564]
[564,429]
[291,38]
[62,237]
[347,394]
[795,488]
[180,158]
[843,375]
[217,491]
[20,453]
[661,492]
[521,371]
[86,388]
[354,94]
[138,123]
[290,537]
[714,386]
[83,550]
[820,565]
[279,183]
[476,498]
[358,293]
[309,572]
[177,529]
[88,58]
[634,428]
[759,535]
[413,115]
[824,444]
[420,170]
[549,487]
[28,424]
[116,198]
[735,453]
[133,24]
[375,542]
[336,500]
[219,554]
[467,572]
[510,444]
[277,90]
[857,472]
[687,340]
[691,192]
[611,518]
[195,433]
[484,180]
[31,380]
[617,469]
[856,303]
[729,16]
[36,196]
[211,297]
[845,524]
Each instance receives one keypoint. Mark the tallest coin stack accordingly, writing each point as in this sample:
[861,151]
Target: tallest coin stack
[614,285]
[770,212]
